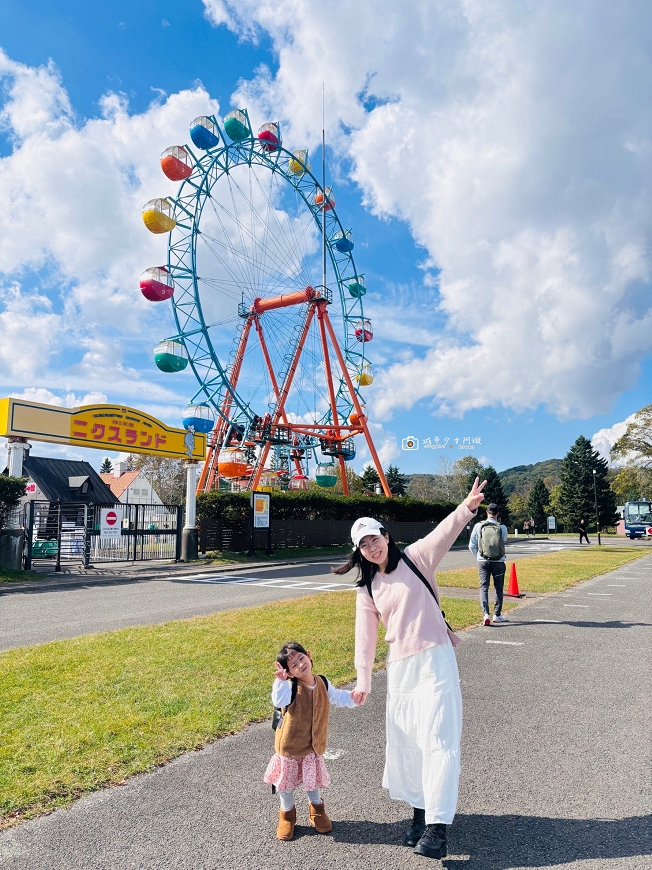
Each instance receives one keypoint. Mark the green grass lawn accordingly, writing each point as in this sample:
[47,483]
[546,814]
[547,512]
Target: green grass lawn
[551,572]
[9,576]
[79,714]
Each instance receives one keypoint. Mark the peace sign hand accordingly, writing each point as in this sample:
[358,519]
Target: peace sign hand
[474,498]
[280,673]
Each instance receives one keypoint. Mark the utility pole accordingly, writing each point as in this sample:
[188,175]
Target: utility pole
[595,495]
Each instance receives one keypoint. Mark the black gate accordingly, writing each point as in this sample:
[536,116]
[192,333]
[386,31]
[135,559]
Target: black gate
[65,532]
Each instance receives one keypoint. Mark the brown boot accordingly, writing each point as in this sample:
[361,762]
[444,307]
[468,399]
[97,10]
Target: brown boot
[319,820]
[286,822]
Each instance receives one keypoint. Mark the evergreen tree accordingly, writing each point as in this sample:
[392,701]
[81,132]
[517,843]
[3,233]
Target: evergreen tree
[538,503]
[576,497]
[493,492]
[130,463]
[370,479]
[107,466]
[395,480]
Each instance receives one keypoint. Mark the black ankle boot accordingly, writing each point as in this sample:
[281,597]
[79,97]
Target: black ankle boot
[433,842]
[416,829]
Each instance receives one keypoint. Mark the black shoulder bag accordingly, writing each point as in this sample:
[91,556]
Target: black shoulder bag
[414,568]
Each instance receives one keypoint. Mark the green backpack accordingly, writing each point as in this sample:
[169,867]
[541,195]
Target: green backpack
[490,542]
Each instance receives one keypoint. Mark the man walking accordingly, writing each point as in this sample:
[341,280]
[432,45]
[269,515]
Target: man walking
[488,546]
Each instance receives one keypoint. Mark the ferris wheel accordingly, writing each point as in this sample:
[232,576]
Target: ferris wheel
[268,307]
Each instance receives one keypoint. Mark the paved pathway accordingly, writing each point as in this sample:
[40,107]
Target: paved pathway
[556,766]
[122,595]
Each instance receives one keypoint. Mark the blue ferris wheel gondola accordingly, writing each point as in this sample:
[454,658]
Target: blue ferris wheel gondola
[204,133]
[200,416]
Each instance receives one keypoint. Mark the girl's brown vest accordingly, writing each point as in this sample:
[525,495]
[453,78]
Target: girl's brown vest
[305,723]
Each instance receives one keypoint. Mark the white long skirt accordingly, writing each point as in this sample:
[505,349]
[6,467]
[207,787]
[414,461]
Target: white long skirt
[424,729]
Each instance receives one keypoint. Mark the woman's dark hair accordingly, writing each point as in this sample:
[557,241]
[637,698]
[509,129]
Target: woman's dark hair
[366,569]
[286,649]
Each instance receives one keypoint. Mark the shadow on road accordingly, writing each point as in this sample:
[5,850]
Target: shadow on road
[614,623]
[500,842]
[494,842]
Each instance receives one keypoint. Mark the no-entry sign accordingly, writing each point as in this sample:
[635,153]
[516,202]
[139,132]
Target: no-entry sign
[110,524]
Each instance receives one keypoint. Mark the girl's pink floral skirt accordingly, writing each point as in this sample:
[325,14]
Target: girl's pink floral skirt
[288,773]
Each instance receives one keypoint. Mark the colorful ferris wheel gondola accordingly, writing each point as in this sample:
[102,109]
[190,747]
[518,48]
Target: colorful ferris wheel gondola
[156,284]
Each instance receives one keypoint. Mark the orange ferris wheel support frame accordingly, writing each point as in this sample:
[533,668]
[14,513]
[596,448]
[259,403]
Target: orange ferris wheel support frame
[259,307]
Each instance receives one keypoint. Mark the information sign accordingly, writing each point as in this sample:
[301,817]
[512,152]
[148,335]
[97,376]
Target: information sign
[261,502]
[552,524]
[110,524]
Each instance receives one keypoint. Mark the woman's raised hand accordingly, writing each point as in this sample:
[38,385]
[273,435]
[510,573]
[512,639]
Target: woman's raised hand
[474,498]
[280,673]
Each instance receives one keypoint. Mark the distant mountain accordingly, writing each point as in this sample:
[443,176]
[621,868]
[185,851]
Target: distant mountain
[523,476]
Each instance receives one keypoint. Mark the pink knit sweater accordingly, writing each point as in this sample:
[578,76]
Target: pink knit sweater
[412,620]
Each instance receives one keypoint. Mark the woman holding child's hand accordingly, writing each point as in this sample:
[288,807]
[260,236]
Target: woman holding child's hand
[424,704]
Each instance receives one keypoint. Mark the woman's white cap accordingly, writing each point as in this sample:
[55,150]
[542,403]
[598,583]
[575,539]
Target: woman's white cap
[364,526]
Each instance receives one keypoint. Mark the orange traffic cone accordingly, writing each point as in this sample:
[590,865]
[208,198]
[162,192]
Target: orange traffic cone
[512,586]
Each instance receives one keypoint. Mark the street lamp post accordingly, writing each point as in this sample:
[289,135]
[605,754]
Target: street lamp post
[595,495]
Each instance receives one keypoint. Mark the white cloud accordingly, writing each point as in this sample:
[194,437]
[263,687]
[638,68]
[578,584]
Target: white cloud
[69,400]
[515,141]
[385,444]
[604,439]
[72,242]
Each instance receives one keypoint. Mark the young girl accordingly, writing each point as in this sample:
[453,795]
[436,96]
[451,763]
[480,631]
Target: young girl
[424,704]
[300,740]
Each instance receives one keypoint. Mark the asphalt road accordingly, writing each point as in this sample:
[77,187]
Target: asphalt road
[555,770]
[35,616]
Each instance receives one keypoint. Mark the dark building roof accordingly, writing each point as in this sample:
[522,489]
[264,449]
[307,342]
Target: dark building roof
[67,480]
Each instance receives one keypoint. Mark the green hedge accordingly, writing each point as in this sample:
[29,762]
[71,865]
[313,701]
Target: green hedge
[234,507]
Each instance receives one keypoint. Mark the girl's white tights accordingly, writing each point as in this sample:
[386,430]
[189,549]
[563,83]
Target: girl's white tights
[287,798]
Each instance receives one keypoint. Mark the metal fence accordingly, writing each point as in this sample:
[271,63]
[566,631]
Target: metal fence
[70,532]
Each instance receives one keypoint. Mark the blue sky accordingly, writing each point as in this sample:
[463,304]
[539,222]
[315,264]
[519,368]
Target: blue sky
[501,208]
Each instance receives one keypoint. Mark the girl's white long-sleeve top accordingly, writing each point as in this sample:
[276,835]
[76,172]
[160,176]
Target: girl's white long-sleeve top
[282,694]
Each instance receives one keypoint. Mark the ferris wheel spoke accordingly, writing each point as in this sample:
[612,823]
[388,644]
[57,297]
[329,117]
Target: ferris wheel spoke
[235,253]
[210,241]
[264,223]
[236,281]
[298,238]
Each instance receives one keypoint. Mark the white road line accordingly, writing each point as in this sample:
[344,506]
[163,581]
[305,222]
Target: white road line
[335,586]
[555,621]
[506,642]
[605,594]
[622,585]
[225,580]
[576,605]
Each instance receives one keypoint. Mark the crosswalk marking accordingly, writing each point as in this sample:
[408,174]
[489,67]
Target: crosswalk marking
[278,583]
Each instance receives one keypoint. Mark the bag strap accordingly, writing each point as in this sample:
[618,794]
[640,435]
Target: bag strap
[414,568]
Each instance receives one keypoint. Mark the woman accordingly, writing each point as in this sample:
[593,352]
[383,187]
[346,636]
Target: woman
[424,705]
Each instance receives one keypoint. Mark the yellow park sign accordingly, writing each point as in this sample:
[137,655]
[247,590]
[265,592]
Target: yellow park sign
[107,427]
